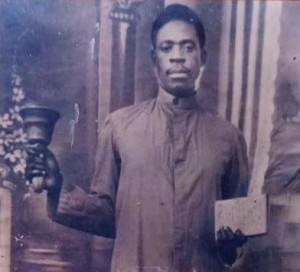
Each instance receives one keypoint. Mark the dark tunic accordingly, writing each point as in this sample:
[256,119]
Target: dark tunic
[161,166]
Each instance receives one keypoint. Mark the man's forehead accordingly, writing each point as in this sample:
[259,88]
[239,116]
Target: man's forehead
[176,31]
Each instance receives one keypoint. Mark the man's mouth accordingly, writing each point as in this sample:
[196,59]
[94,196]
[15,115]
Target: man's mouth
[178,73]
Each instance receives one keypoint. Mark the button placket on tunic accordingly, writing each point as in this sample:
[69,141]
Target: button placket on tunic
[179,145]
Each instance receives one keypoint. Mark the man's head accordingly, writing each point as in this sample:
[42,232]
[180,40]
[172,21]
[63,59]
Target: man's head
[178,40]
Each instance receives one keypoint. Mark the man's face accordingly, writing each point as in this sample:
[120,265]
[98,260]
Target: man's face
[177,58]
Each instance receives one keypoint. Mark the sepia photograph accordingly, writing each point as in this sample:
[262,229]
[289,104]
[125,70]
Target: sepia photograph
[149,136]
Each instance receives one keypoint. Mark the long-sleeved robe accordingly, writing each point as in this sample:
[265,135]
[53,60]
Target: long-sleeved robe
[161,165]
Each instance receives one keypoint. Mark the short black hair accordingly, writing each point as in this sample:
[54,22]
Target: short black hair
[182,13]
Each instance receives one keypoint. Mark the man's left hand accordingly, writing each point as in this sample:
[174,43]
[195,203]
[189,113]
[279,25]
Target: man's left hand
[228,242]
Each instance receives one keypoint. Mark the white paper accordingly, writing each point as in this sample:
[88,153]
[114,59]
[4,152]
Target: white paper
[249,214]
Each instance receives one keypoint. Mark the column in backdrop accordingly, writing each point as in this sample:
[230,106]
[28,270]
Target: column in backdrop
[116,66]
[248,69]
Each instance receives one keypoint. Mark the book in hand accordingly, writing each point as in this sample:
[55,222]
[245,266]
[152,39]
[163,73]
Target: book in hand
[248,214]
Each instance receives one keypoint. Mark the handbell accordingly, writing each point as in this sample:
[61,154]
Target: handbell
[39,122]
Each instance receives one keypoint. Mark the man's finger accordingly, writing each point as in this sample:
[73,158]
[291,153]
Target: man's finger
[240,237]
[35,166]
[219,235]
[38,158]
[35,173]
[239,232]
[222,235]
[36,146]
[35,151]
[229,233]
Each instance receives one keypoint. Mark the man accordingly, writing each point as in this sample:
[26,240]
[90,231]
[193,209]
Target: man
[161,166]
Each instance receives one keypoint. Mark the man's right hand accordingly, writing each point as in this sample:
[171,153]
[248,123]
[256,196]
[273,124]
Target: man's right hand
[42,170]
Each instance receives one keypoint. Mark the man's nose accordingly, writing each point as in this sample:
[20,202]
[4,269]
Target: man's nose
[177,55]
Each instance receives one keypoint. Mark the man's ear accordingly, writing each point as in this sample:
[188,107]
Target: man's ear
[203,56]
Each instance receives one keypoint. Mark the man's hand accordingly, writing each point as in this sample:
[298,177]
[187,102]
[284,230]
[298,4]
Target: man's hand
[42,169]
[228,242]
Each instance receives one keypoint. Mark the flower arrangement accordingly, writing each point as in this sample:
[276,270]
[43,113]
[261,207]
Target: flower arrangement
[12,135]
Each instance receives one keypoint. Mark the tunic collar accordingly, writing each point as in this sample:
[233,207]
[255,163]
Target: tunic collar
[169,100]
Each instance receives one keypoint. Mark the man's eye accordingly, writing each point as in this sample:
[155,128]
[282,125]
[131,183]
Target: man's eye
[188,48]
[166,48]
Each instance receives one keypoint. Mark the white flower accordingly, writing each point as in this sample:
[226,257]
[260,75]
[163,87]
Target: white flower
[21,138]
[10,157]
[16,79]
[7,142]
[17,108]
[18,94]
[5,121]
[15,115]
[19,169]
[23,161]
[17,153]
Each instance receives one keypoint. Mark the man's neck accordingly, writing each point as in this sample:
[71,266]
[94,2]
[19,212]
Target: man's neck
[169,96]
[181,102]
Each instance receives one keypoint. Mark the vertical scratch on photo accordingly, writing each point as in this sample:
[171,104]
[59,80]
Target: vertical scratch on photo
[92,48]
[73,122]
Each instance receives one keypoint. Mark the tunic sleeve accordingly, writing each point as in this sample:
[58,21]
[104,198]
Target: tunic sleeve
[235,179]
[92,212]
[235,184]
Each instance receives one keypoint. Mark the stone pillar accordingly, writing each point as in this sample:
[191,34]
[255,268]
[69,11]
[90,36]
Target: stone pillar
[5,229]
[247,76]
[224,59]
[247,85]
[105,65]
[267,89]
[124,21]
[118,23]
